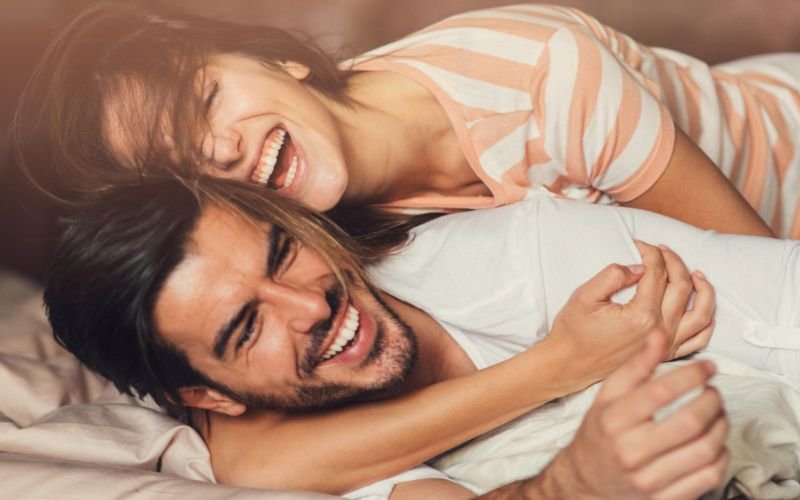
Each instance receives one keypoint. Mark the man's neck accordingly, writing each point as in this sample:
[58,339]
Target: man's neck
[440,356]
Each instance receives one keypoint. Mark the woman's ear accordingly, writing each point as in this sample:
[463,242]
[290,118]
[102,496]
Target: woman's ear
[295,69]
[206,398]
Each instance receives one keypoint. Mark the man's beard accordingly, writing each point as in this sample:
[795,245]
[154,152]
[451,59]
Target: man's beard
[317,394]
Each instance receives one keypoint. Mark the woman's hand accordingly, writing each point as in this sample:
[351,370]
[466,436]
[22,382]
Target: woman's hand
[685,330]
[602,333]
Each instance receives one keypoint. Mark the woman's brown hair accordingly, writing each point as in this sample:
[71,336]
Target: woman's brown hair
[147,63]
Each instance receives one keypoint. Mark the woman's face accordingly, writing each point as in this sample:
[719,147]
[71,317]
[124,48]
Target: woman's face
[268,128]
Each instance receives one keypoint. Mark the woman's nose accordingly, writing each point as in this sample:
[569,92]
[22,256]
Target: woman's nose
[223,149]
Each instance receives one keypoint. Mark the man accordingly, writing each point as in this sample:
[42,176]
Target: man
[181,297]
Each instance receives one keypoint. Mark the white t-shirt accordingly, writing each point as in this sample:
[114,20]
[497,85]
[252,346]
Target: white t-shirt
[495,280]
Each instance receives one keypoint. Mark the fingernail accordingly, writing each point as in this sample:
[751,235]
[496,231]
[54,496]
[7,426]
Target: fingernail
[664,247]
[711,367]
[636,268]
[700,274]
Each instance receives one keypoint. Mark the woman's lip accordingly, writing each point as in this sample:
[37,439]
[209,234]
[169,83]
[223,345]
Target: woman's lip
[268,139]
[299,176]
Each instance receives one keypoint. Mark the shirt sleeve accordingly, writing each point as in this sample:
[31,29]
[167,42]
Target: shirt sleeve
[382,489]
[605,130]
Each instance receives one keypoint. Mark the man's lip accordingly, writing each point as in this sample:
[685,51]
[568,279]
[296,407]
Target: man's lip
[360,348]
[335,327]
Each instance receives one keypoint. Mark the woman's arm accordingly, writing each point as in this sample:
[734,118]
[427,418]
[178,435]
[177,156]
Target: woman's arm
[337,451]
[692,189]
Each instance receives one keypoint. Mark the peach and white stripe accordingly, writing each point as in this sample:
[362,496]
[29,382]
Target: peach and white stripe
[549,97]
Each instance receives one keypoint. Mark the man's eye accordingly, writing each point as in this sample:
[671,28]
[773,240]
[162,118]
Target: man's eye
[282,252]
[249,328]
[288,252]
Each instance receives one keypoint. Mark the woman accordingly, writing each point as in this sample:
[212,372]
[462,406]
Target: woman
[481,109]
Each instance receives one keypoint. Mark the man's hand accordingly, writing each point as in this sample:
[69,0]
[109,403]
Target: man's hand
[602,334]
[621,452]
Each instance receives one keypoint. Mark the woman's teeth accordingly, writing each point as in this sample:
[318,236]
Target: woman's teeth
[346,333]
[291,173]
[269,158]
[269,161]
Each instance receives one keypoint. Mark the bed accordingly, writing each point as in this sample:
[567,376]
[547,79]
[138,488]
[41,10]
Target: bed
[67,434]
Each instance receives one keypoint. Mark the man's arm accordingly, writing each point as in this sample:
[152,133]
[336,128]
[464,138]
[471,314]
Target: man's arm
[620,451]
[692,189]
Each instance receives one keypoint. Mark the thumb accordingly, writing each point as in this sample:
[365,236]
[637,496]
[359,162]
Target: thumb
[636,370]
[609,281]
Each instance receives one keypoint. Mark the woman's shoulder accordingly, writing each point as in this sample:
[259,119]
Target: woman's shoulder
[513,28]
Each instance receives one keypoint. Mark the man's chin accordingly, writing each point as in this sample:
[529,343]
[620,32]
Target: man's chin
[383,373]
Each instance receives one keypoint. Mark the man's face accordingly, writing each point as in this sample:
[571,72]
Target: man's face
[266,318]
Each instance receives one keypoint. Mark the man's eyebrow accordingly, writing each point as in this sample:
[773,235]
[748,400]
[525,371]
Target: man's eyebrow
[276,253]
[224,334]
[278,248]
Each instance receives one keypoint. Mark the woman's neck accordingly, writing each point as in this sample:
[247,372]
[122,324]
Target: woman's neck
[399,142]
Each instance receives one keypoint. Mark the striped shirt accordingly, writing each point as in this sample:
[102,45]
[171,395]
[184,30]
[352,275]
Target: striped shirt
[546,98]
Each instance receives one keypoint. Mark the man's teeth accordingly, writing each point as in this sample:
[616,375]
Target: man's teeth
[269,159]
[346,333]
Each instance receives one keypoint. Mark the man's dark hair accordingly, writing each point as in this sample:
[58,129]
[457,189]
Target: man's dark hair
[118,249]
[110,264]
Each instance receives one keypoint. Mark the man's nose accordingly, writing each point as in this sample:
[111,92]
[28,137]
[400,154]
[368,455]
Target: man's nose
[223,149]
[300,307]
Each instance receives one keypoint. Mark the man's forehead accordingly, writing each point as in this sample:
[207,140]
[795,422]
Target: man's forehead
[224,257]
[216,223]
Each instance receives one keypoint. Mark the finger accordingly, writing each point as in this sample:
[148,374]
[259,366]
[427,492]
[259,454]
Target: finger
[702,312]
[698,482]
[641,403]
[696,343]
[679,288]
[635,371]
[646,443]
[652,285]
[700,452]
[607,282]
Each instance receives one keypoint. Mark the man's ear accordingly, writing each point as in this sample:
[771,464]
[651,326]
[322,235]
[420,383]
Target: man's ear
[295,69]
[206,398]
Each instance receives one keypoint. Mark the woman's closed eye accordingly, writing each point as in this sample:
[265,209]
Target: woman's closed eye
[211,96]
